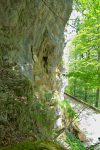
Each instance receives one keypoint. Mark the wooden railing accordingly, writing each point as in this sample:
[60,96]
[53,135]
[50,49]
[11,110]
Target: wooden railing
[82,102]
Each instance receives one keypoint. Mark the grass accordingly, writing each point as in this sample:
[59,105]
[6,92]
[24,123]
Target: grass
[75,143]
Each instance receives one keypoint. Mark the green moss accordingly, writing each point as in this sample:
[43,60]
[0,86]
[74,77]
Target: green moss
[40,145]
[16,81]
[23,115]
[16,95]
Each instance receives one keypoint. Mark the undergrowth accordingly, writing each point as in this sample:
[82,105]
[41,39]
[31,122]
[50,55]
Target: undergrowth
[38,145]
[22,114]
[75,143]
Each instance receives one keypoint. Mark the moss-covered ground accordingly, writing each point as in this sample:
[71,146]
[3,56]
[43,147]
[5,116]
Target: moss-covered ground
[40,145]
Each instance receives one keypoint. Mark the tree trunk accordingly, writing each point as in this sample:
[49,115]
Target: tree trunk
[98,90]
[85,94]
[97,97]
[74,90]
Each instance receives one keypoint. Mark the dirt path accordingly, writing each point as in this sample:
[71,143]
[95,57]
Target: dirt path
[89,120]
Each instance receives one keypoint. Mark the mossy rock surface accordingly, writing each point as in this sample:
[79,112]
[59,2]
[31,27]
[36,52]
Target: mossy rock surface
[15,104]
[39,145]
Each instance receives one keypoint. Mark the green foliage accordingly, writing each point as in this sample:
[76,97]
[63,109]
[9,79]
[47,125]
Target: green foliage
[84,68]
[38,145]
[15,102]
[69,112]
[48,95]
[22,115]
[43,116]
[74,143]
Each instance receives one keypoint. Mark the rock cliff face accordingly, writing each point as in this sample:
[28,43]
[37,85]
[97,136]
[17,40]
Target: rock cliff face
[32,40]
[31,35]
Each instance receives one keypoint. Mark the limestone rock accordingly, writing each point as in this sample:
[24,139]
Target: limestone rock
[82,136]
[31,41]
